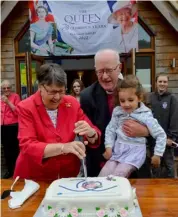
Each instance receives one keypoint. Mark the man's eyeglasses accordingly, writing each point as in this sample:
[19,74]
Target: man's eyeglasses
[107,71]
[54,92]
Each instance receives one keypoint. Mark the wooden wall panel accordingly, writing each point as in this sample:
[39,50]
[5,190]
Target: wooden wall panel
[11,27]
[166,42]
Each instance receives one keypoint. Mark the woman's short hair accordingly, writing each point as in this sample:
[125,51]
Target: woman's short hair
[6,82]
[80,83]
[52,74]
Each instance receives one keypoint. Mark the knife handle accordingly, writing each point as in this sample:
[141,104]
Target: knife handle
[80,138]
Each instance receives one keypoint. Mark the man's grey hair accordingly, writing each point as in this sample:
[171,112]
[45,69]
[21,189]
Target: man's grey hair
[108,52]
[52,74]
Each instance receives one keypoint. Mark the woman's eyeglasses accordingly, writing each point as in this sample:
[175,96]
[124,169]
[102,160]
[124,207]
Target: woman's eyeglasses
[107,71]
[54,92]
[5,88]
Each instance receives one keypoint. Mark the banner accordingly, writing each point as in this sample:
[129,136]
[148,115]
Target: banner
[59,28]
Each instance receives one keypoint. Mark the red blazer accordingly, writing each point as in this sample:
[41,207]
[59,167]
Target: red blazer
[36,131]
[7,115]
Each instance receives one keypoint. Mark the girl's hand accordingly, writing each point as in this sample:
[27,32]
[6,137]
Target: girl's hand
[155,161]
[83,128]
[75,147]
[169,142]
[108,153]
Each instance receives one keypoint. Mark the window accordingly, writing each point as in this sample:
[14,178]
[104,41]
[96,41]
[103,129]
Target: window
[144,39]
[145,58]
[143,71]
[26,67]
[24,43]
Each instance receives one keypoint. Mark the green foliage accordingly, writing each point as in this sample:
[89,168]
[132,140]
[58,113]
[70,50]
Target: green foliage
[79,210]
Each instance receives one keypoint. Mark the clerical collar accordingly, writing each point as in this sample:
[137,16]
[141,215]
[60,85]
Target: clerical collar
[109,92]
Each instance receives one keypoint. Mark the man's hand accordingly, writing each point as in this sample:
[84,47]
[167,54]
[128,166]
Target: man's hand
[155,161]
[108,153]
[134,129]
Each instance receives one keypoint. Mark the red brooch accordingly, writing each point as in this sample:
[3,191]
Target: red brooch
[68,105]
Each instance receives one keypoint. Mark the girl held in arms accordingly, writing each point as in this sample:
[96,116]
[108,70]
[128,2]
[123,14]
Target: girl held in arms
[126,154]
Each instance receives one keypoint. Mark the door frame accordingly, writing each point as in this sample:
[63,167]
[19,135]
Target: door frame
[27,59]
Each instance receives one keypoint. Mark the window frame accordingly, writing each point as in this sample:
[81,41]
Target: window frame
[148,51]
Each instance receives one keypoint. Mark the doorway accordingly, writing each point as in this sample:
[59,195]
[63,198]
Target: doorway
[87,76]
[75,67]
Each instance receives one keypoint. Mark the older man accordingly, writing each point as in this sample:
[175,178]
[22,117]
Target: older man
[97,103]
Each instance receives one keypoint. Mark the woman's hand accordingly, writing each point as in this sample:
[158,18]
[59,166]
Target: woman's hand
[4,98]
[75,147]
[155,161]
[134,129]
[83,128]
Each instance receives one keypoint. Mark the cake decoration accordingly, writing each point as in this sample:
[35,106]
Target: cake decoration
[63,211]
[111,178]
[112,210]
[83,186]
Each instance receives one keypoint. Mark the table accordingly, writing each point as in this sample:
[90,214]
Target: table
[157,198]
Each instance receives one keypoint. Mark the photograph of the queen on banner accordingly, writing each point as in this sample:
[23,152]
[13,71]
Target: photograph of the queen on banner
[124,20]
[43,31]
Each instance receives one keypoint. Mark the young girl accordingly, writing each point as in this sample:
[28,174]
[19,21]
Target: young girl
[126,154]
[76,88]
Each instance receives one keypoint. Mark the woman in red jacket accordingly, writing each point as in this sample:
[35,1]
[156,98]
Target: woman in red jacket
[9,126]
[49,120]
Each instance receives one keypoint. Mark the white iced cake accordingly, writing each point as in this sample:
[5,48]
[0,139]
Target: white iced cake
[101,196]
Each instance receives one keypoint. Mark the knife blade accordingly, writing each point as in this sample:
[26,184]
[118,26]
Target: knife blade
[80,138]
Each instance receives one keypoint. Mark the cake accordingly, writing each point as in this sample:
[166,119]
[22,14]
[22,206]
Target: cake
[101,196]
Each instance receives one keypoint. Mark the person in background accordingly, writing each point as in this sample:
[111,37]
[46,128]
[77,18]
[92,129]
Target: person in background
[76,88]
[9,126]
[49,121]
[126,154]
[97,101]
[164,106]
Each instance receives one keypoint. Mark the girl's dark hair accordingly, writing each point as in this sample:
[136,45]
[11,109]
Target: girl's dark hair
[46,10]
[129,81]
[52,74]
[81,86]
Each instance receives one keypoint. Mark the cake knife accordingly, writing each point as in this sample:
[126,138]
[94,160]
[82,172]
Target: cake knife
[80,138]
[84,167]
